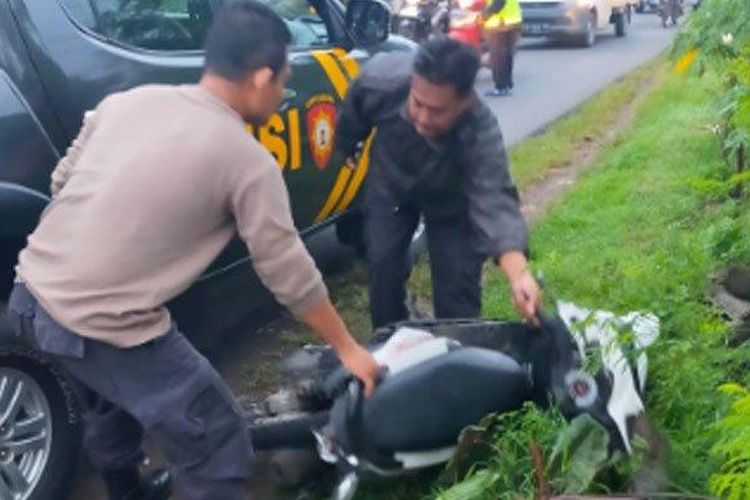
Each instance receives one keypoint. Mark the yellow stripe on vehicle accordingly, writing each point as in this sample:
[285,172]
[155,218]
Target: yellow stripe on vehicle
[333,71]
[350,64]
[342,181]
[294,140]
[359,175]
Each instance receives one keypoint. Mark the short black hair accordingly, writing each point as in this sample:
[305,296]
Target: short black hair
[444,61]
[245,37]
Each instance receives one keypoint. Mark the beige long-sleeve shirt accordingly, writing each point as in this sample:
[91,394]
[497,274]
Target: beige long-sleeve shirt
[154,187]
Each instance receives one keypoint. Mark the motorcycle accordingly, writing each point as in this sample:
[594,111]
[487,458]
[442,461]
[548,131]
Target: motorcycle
[444,375]
[670,11]
[420,19]
[466,26]
[466,23]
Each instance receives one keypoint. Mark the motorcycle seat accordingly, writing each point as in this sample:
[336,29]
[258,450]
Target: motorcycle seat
[425,407]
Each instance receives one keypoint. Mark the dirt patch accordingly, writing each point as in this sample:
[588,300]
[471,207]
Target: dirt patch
[537,198]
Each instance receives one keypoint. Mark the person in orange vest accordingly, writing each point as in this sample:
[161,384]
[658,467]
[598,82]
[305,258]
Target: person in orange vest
[502,29]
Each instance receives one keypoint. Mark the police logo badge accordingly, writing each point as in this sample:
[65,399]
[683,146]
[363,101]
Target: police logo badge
[321,123]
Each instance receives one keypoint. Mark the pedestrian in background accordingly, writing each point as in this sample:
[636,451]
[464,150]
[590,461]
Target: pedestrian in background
[502,29]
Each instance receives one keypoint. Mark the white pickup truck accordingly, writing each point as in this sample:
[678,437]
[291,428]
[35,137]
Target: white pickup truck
[580,20]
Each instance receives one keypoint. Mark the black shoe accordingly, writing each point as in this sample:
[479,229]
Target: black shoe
[127,484]
[154,486]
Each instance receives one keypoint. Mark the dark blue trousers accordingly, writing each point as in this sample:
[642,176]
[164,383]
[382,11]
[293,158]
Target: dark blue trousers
[164,387]
[455,265]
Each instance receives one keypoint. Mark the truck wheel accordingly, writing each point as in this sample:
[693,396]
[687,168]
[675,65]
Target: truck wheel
[622,22]
[588,37]
[39,425]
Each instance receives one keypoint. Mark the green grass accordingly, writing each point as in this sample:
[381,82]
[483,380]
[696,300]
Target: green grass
[531,158]
[636,234]
[640,231]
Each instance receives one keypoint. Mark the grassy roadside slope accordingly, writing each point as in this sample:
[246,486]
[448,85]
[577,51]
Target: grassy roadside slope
[643,230]
[531,158]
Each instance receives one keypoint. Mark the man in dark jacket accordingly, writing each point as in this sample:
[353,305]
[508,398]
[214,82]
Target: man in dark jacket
[437,154]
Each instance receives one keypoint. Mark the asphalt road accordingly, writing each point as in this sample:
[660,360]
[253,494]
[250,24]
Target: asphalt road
[550,81]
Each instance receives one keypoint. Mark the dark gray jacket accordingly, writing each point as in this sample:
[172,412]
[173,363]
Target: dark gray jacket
[465,172]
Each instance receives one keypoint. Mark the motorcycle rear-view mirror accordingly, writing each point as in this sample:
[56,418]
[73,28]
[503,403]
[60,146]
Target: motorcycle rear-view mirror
[368,22]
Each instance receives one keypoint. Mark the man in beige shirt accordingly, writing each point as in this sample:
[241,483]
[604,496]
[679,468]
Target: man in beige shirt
[156,184]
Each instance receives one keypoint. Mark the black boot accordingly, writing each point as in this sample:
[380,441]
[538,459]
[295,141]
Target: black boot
[127,484]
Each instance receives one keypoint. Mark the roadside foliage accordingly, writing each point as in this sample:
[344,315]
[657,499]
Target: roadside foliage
[716,41]
[662,211]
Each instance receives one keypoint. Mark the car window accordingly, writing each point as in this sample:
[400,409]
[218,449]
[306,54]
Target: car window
[166,25]
[170,25]
[307,27]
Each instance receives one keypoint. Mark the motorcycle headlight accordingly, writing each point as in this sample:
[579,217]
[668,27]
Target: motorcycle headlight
[582,389]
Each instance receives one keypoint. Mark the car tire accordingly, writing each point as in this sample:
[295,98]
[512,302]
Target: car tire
[587,38]
[46,415]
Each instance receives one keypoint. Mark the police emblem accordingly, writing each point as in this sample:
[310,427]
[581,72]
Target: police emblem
[321,123]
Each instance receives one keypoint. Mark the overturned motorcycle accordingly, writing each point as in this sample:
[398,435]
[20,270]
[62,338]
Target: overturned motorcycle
[444,375]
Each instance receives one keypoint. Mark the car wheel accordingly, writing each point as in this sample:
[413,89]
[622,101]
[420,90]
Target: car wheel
[39,425]
[588,37]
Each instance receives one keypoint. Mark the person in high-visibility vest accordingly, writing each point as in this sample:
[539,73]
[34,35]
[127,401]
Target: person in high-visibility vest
[502,29]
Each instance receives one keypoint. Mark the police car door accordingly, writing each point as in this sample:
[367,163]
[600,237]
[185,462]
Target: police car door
[301,134]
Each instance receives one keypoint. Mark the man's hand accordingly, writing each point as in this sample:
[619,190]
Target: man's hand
[329,326]
[362,365]
[527,296]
